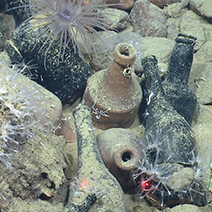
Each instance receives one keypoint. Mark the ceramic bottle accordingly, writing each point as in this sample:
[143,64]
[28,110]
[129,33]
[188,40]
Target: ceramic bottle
[122,151]
[114,95]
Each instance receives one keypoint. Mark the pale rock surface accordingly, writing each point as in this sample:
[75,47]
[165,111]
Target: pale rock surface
[148,20]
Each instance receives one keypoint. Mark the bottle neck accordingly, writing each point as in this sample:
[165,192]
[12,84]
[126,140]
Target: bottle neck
[152,77]
[156,101]
[87,147]
[180,64]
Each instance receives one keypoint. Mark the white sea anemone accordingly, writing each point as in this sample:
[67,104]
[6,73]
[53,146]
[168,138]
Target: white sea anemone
[165,181]
[67,21]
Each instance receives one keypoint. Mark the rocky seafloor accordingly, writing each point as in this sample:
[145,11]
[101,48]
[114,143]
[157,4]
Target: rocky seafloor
[34,175]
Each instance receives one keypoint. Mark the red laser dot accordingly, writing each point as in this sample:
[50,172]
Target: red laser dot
[146,185]
[84,183]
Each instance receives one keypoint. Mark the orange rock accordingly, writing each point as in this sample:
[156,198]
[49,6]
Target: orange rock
[121,4]
[162,3]
[66,131]
[148,20]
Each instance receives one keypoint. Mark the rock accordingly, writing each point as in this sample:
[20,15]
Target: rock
[202,8]
[181,179]
[119,20]
[172,28]
[162,3]
[45,105]
[205,53]
[31,158]
[102,62]
[66,131]
[6,24]
[191,25]
[50,105]
[201,82]
[161,47]
[37,206]
[173,10]
[207,30]
[101,47]
[148,20]
[204,115]
[71,158]
[203,135]
[121,4]
[185,207]
[37,172]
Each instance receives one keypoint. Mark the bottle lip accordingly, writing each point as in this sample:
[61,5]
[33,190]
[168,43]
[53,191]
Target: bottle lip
[186,39]
[124,54]
[126,158]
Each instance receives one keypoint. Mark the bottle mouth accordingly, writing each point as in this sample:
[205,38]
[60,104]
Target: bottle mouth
[124,54]
[126,158]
